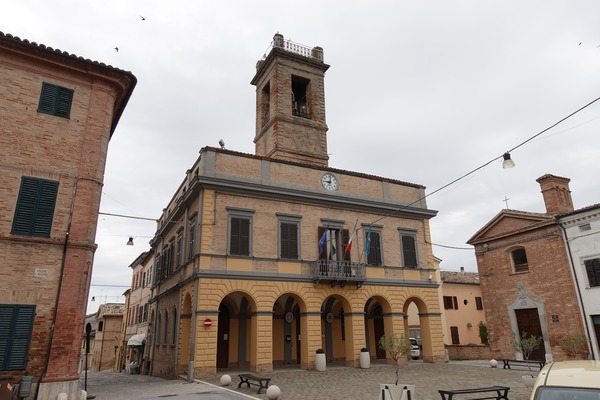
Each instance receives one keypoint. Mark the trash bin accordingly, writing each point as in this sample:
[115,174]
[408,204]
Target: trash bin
[25,386]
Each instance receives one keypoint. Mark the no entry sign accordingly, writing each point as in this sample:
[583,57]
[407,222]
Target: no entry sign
[207,323]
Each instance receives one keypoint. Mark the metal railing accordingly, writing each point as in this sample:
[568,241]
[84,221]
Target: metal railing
[337,271]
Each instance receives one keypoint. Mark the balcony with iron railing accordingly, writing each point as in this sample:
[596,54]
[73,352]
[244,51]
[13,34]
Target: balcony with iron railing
[338,272]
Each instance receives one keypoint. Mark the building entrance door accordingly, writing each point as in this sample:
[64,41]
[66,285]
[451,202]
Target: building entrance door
[528,321]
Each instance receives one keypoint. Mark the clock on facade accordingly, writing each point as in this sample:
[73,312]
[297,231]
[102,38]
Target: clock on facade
[329,182]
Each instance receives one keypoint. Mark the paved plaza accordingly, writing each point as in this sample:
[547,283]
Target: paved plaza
[336,383]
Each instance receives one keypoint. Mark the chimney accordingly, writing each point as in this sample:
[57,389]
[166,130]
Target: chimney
[557,196]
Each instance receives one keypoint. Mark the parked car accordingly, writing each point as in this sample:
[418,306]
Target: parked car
[415,352]
[578,379]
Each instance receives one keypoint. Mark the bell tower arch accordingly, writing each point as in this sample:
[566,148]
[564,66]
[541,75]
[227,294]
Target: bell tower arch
[290,103]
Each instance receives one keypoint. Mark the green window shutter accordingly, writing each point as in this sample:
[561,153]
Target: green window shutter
[35,207]
[48,98]
[55,100]
[16,324]
[63,103]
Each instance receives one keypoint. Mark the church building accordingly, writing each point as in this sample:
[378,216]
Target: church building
[263,259]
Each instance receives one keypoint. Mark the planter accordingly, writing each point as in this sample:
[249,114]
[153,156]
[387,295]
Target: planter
[394,392]
[320,362]
[365,360]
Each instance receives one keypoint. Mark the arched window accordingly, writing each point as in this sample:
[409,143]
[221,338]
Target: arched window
[519,260]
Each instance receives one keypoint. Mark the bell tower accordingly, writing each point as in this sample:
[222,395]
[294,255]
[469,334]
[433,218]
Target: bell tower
[290,103]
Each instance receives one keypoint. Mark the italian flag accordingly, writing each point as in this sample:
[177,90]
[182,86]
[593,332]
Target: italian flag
[349,245]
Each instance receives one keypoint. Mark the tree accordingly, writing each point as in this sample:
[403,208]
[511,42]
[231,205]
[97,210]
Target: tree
[526,345]
[573,344]
[397,347]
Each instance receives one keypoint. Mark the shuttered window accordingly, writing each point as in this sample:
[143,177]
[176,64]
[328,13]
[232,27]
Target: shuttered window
[16,324]
[592,268]
[35,207]
[239,236]
[409,249]
[288,240]
[374,248]
[55,100]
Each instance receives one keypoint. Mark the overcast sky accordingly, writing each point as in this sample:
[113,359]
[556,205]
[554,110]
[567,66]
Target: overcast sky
[419,91]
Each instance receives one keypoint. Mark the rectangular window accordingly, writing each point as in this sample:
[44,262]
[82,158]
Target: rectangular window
[179,249]
[192,234]
[373,248]
[16,325]
[478,303]
[55,100]
[35,207]
[288,240]
[239,236]
[409,249]
[450,303]
[240,232]
[592,268]
[454,334]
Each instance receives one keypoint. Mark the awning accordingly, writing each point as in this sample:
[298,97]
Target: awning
[137,340]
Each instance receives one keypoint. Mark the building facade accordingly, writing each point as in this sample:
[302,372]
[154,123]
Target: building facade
[106,340]
[581,230]
[260,260]
[58,114]
[526,279]
[133,349]
[463,307]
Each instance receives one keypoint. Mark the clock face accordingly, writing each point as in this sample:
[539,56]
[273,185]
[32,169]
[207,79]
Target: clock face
[329,182]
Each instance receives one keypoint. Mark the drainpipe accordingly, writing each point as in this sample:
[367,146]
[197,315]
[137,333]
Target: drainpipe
[585,319]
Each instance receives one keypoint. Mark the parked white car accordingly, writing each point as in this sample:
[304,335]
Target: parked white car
[415,352]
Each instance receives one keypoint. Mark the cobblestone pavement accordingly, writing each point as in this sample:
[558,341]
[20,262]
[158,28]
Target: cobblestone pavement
[336,383]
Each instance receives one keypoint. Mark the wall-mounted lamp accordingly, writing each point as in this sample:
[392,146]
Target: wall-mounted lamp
[507,163]
[130,241]
[430,277]
[222,143]
[93,298]
[469,325]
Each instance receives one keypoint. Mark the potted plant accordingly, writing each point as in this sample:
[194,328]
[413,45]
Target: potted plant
[320,361]
[398,348]
[526,345]
[365,358]
[573,344]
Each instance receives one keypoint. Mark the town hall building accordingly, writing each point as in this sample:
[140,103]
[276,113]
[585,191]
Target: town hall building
[262,259]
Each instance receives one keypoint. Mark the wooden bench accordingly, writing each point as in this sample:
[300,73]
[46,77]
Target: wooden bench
[249,379]
[501,392]
[532,363]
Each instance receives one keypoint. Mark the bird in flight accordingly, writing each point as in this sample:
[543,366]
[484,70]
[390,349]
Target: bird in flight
[142,17]
[116,49]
